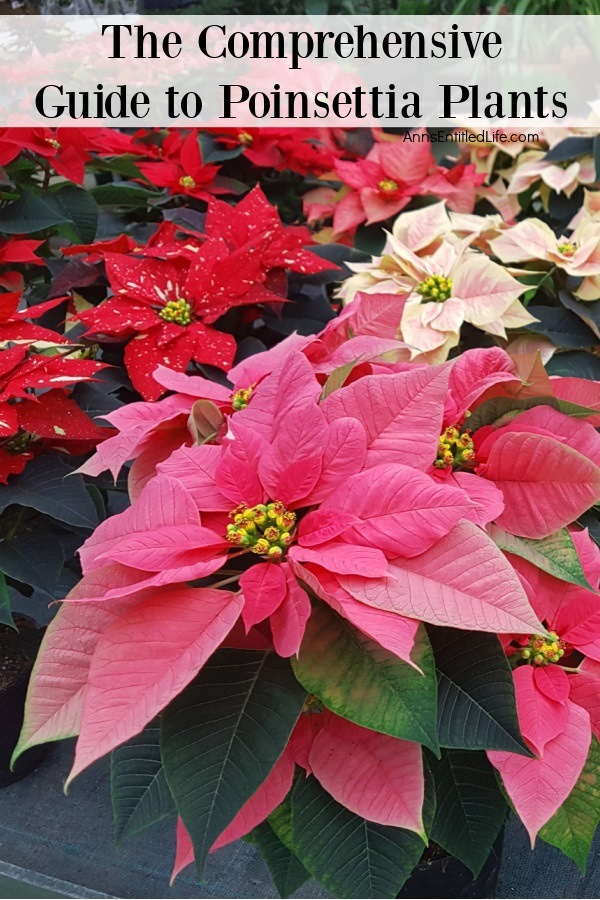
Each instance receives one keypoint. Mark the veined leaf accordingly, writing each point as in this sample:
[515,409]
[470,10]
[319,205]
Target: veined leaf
[222,736]
[470,809]
[359,680]
[287,871]
[350,856]
[573,825]
[496,408]
[555,554]
[476,696]
[139,791]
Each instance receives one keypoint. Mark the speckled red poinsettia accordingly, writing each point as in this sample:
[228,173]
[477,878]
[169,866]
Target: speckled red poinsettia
[166,296]
[36,412]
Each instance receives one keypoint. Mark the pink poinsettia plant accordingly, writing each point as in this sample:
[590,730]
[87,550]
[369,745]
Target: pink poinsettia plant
[339,575]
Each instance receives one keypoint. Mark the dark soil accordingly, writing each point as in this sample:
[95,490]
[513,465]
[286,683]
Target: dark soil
[15,650]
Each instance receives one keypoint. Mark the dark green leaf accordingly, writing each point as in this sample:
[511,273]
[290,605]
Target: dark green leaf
[5,610]
[139,791]
[588,312]
[30,214]
[287,872]
[575,364]
[573,825]
[34,558]
[79,208]
[222,736]
[562,327]
[591,521]
[555,554]
[470,808]
[350,856]
[504,408]
[476,695]
[123,194]
[359,680]
[44,486]
[569,148]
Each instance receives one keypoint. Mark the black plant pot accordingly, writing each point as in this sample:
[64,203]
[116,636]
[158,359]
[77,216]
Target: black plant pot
[446,877]
[17,652]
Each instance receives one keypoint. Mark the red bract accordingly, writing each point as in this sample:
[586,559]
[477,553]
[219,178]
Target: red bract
[185,172]
[167,304]
[15,327]
[36,412]
[302,150]
[67,149]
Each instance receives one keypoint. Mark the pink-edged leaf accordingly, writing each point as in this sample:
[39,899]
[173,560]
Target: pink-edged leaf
[488,500]
[288,621]
[546,485]
[191,385]
[344,559]
[473,372]
[195,468]
[164,501]
[393,632]
[552,681]
[264,587]
[236,474]
[134,421]
[144,659]
[402,511]
[577,434]
[541,719]
[324,525]
[290,467]
[169,547]
[184,854]
[60,674]
[344,454]
[401,414]
[585,691]
[261,804]
[433,587]
[537,787]
[374,775]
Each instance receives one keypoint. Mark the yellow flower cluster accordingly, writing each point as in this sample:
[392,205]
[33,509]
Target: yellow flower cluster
[266,529]
[436,287]
[454,449]
[178,311]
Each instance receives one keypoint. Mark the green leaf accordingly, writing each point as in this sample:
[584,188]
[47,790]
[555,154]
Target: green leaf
[123,194]
[476,695]
[5,611]
[287,872]
[575,364]
[44,486]
[350,856]
[31,214]
[222,736]
[34,558]
[470,808]
[555,554]
[573,825]
[359,680]
[80,210]
[497,408]
[338,378]
[139,791]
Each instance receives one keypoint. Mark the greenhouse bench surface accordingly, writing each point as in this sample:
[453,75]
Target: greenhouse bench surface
[63,846]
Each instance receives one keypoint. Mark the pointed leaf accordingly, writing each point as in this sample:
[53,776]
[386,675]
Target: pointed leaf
[350,856]
[222,736]
[286,870]
[470,807]
[555,554]
[139,791]
[537,787]
[359,680]
[371,774]
[432,586]
[44,486]
[5,613]
[573,825]
[476,696]
[546,484]
[145,658]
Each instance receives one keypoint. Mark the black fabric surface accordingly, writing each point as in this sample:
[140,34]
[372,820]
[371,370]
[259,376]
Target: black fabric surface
[71,838]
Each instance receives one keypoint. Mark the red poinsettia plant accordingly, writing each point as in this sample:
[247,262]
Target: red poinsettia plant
[349,590]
